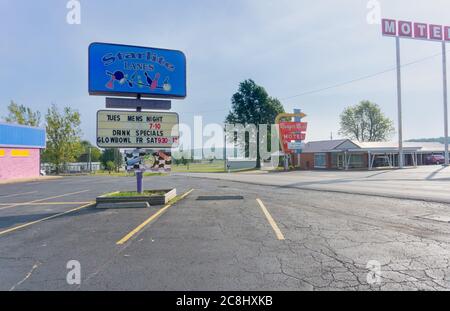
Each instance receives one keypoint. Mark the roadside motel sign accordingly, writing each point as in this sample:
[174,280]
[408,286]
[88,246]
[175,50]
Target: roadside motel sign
[135,71]
[414,30]
[292,131]
[419,31]
[296,146]
[131,129]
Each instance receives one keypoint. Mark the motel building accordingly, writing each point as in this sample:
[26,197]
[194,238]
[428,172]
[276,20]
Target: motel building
[20,148]
[346,154]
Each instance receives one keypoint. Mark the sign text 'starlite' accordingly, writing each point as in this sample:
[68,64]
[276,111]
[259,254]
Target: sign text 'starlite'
[125,70]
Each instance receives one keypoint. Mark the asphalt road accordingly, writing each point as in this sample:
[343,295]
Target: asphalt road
[273,238]
[428,183]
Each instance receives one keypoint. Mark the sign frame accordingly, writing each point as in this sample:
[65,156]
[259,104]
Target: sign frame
[135,146]
[93,92]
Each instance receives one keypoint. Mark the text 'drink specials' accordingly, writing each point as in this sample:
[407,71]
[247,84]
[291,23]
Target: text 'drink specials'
[128,129]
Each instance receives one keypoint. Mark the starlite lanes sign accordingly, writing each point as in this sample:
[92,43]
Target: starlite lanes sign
[125,70]
[128,129]
[414,30]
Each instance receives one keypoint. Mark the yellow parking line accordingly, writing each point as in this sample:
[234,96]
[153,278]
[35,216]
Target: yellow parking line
[272,222]
[44,219]
[44,199]
[149,220]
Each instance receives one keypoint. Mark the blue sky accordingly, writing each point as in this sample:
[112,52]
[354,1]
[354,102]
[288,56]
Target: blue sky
[289,47]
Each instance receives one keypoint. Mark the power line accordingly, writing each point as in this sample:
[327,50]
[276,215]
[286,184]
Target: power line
[360,78]
[335,85]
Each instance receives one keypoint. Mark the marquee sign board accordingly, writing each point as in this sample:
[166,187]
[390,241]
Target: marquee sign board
[130,129]
[413,30]
[125,70]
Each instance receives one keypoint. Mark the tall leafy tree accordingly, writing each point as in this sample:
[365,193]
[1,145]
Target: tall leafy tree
[20,114]
[63,136]
[112,155]
[252,105]
[366,122]
[87,147]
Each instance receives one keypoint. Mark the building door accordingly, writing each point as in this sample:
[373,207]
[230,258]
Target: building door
[340,161]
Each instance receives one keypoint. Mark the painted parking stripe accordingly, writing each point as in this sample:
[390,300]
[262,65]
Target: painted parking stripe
[44,203]
[41,200]
[16,195]
[44,219]
[149,220]
[271,221]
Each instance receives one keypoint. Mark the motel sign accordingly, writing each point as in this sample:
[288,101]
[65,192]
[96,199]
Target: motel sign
[419,31]
[414,30]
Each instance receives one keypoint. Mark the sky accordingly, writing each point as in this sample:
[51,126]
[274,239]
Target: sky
[295,49]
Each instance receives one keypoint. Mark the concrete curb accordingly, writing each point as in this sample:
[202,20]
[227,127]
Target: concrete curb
[123,205]
[151,200]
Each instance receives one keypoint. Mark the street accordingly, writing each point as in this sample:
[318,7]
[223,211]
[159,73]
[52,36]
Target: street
[240,231]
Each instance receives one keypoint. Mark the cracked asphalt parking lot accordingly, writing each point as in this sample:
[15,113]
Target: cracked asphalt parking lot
[328,239]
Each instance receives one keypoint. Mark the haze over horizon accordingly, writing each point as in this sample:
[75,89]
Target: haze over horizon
[320,57]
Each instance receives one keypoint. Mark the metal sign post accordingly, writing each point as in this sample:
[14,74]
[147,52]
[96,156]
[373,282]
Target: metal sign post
[399,104]
[444,70]
[139,174]
[297,151]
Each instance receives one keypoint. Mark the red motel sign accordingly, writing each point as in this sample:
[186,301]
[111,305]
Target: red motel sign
[414,30]
[292,131]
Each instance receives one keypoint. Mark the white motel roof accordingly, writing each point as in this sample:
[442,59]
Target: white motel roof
[355,146]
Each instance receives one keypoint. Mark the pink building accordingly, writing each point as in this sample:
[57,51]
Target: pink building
[20,148]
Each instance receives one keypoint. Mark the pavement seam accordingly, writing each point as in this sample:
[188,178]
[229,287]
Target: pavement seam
[388,196]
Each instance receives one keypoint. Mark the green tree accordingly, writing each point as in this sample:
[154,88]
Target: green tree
[113,155]
[110,166]
[20,114]
[251,105]
[87,147]
[63,136]
[366,122]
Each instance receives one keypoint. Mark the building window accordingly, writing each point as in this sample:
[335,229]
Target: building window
[320,160]
[356,161]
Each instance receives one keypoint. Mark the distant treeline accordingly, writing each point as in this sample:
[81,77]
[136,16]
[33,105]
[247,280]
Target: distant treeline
[428,140]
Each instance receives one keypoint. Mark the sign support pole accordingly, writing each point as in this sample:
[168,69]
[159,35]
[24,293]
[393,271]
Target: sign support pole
[444,65]
[399,103]
[298,152]
[139,174]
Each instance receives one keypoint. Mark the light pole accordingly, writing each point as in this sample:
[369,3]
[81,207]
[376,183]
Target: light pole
[444,70]
[399,104]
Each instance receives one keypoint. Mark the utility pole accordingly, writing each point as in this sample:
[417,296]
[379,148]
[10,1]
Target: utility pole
[444,65]
[399,104]
[90,159]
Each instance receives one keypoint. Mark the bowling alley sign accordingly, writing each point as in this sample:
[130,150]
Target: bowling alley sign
[124,70]
[414,30]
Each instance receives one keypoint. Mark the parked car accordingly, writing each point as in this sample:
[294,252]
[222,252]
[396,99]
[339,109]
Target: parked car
[435,159]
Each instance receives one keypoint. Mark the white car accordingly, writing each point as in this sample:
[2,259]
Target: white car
[43,173]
